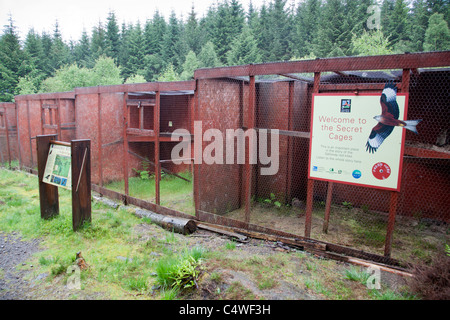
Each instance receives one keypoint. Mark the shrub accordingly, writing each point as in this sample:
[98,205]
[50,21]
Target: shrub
[432,282]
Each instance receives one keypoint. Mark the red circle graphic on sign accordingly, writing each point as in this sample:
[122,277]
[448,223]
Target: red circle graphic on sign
[381,171]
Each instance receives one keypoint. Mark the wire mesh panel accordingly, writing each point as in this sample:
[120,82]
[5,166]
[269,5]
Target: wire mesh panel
[8,134]
[407,224]
[175,143]
[220,109]
[110,136]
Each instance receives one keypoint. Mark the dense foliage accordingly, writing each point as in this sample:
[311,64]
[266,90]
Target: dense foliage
[167,50]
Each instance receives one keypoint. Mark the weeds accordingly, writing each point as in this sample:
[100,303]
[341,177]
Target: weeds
[356,274]
[180,272]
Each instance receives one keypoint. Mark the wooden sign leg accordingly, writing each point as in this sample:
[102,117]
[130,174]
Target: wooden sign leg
[309,208]
[81,182]
[391,223]
[326,220]
[48,194]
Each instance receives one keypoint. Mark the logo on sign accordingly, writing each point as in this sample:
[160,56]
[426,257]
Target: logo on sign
[346,105]
[381,171]
[356,174]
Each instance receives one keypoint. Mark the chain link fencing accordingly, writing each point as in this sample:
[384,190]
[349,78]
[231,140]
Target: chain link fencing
[244,160]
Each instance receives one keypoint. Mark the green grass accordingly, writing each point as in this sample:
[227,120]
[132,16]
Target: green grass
[127,264]
[357,274]
[101,242]
[175,193]
[181,271]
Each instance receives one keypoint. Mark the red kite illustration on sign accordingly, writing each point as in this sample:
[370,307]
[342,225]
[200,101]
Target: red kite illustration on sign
[388,119]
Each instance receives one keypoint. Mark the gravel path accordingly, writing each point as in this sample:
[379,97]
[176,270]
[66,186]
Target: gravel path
[14,252]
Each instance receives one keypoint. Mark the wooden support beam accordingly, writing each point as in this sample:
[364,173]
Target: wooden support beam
[156,128]
[81,182]
[48,194]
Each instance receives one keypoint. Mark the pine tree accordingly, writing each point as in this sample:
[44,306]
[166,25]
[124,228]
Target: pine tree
[33,47]
[124,53]
[112,37]
[190,64]
[420,16]
[192,33]
[98,41]
[173,51]
[59,52]
[252,16]
[279,32]
[135,44]
[154,34]
[263,34]
[82,51]
[208,57]
[227,24]
[401,27]
[331,29]
[437,36]
[306,27]
[244,49]
[11,59]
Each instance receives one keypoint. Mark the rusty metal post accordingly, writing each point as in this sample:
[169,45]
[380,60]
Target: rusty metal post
[194,146]
[125,143]
[290,148]
[29,134]
[99,138]
[328,206]
[156,125]
[249,149]
[391,223]
[310,186]
[58,118]
[7,137]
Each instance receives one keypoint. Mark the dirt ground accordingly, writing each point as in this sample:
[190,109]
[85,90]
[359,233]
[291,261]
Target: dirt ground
[232,276]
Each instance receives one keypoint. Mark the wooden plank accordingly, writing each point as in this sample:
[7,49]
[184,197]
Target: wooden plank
[396,61]
[141,132]
[48,194]
[141,102]
[234,235]
[81,182]
[154,165]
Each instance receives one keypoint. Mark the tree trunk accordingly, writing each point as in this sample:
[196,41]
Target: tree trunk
[179,225]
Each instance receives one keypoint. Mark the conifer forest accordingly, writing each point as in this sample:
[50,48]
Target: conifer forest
[171,48]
